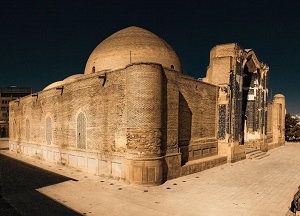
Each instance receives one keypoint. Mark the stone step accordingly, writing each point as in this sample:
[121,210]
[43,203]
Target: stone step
[256,154]
[250,150]
[261,156]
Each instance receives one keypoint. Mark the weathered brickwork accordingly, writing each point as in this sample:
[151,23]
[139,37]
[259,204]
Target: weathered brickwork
[143,142]
[270,123]
[170,107]
[84,116]
[276,121]
[49,130]
[197,120]
[242,79]
[140,114]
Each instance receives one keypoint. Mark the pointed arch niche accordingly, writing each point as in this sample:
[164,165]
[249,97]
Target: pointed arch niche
[81,131]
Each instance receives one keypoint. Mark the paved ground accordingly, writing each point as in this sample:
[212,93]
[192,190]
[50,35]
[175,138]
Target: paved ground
[247,188]
[18,195]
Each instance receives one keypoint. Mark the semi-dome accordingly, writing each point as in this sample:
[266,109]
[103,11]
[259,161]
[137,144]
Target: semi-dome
[131,45]
[279,96]
[69,79]
[72,78]
[54,85]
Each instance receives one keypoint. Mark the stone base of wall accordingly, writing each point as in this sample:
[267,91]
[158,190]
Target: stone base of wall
[112,167]
[172,166]
[153,171]
[260,144]
[148,172]
[238,153]
[199,149]
[269,138]
[274,145]
[238,157]
[264,146]
[144,171]
[233,151]
[202,164]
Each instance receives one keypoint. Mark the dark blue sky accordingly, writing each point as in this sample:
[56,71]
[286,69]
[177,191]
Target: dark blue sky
[46,41]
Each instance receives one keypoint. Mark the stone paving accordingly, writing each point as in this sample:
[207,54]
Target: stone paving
[248,188]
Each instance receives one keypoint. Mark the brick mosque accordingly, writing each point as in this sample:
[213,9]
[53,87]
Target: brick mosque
[134,115]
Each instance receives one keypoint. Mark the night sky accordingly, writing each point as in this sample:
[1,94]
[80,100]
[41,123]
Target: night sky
[46,41]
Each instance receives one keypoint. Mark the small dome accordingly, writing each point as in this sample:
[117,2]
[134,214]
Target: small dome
[72,78]
[54,85]
[279,96]
[131,45]
[69,79]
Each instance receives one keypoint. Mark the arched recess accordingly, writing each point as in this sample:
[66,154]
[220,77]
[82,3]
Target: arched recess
[81,131]
[250,69]
[27,129]
[254,96]
[184,128]
[49,134]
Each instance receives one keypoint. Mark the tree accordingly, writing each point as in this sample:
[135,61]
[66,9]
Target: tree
[292,128]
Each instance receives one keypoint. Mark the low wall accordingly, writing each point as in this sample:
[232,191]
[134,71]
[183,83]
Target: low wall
[202,164]
[88,161]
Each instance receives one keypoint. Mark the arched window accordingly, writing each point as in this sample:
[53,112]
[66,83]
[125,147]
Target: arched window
[48,130]
[27,129]
[81,131]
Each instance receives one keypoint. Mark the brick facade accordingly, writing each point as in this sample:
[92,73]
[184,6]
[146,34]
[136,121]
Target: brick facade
[144,118]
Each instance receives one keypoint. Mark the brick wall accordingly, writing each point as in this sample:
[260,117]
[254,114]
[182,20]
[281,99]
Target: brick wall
[101,136]
[142,125]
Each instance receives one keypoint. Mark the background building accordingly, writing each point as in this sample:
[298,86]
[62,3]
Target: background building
[8,94]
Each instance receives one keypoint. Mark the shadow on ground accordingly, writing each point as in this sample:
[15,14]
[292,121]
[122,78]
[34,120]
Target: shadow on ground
[18,194]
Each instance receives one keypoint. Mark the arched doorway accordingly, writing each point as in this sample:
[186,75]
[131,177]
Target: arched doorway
[254,103]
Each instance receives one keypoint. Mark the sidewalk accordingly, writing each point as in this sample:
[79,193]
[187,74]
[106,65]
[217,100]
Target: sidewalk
[247,188]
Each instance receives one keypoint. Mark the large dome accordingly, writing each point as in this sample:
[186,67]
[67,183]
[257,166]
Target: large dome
[131,45]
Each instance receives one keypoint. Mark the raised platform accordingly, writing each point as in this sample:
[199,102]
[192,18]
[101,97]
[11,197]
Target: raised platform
[202,164]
